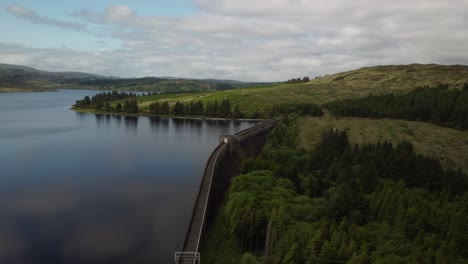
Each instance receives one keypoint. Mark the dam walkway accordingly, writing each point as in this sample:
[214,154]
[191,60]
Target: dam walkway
[223,163]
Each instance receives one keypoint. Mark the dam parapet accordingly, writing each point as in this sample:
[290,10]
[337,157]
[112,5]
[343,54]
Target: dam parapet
[222,165]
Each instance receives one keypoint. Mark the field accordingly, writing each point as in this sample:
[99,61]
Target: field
[262,98]
[448,145]
[399,78]
[345,85]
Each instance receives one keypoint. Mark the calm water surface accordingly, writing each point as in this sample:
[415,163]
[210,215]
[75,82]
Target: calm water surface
[85,188]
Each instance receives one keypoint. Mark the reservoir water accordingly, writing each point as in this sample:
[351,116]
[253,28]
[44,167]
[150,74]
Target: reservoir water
[85,188]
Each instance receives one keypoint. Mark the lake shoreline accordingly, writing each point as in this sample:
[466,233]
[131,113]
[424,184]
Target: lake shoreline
[90,111]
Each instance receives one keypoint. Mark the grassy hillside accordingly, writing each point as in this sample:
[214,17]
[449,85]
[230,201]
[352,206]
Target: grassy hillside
[262,98]
[164,84]
[347,85]
[448,145]
[398,77]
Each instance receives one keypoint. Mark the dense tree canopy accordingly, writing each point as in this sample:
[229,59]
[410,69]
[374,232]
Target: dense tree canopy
[102,102]
[345,203]
[223,110]
[301,109]
[440,105]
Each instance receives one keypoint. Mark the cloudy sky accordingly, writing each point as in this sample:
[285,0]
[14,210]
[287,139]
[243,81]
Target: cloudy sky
[263,40]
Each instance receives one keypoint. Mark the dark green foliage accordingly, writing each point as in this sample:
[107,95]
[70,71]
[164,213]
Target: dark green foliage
[225,108]
[438,105]
[375,203]
[101,102]
[118,107]
[236,113]
[195,109]
[301,109]
[224,86]
[130,106]
[304,79]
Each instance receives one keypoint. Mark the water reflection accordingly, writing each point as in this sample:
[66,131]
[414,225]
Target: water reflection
[118,119]
[81,116]
[131,123]
[118,223]
[79,188]
[99,119]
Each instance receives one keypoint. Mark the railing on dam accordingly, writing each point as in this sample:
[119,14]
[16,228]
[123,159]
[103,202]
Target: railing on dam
[260,127]
[198,223]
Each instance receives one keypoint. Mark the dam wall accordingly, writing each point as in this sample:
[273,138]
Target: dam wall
[222,165]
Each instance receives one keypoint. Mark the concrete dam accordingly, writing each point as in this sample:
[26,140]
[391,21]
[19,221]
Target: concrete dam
[222,165]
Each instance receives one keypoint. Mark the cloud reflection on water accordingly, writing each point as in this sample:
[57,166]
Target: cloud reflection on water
[124,222]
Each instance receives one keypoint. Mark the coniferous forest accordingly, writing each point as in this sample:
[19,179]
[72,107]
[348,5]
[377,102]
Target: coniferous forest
[439,105]
[223,109]
[102,102]
[343,203]
[112,102]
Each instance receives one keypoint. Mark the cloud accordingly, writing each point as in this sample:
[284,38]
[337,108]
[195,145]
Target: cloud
[113,14]
[27,14]
[273,40]
[118,13]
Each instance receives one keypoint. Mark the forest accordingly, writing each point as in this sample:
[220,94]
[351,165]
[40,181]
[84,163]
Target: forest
[223,109]
[342,203]
[301,109]
[102,102]
[439,105]
[112,102]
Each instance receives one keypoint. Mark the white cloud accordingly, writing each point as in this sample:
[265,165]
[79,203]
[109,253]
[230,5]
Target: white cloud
[118,13]
[33,17]
[269,40]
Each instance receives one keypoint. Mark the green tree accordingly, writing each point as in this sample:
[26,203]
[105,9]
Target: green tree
[118,107]
[248,258]
[236,113]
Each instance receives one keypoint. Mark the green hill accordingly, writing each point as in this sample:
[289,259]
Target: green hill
[16,78]
[448,145]
[398,77]
[346,85]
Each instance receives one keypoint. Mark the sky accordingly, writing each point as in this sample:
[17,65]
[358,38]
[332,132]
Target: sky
[247,40]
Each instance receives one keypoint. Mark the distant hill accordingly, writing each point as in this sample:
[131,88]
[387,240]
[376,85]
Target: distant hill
[399,77]
[165,84]
[16,78]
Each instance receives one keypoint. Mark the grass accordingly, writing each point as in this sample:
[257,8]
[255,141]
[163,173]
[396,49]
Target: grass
[399,78]
[345,85]
[450,146]
[262,98]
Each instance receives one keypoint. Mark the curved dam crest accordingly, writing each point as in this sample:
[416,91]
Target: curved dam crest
[223,164]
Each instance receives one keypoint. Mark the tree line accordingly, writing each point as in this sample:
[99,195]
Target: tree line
[439,105]
[211,109]
[345,203]
[301,109]
[102,102]
[304,79]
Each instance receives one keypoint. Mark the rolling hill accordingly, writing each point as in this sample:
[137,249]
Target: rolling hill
[15,78]
[346,85]
[399,77]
